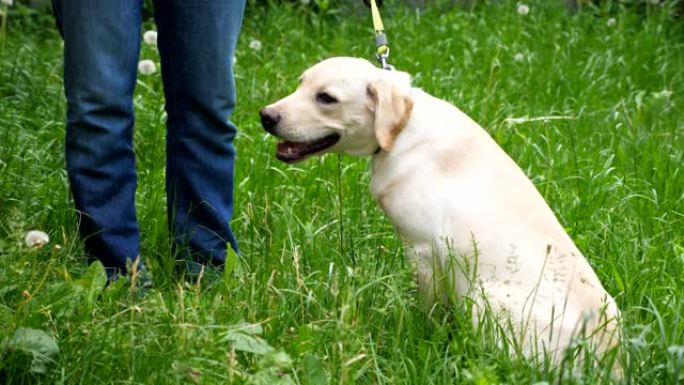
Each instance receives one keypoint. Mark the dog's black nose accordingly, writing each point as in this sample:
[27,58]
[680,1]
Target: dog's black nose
[269,120]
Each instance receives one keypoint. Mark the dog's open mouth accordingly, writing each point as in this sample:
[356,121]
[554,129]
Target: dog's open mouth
[290,152]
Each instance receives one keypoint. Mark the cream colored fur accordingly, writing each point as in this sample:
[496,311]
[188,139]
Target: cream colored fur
[473,223]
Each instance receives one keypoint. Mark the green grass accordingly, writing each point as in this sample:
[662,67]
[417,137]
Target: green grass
[322,272]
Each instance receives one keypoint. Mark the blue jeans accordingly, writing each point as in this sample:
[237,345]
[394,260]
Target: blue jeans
[101,50]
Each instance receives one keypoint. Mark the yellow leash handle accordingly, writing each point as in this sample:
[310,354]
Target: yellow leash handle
[382,48]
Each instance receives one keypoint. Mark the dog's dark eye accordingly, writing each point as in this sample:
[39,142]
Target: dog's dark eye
[325,98]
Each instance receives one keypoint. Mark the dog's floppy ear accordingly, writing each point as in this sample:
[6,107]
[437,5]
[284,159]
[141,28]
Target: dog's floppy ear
[392,106]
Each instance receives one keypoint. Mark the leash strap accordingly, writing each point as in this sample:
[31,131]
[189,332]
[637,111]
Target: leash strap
[381,43]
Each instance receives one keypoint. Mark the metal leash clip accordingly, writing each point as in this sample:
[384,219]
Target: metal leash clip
[382,50]
[384,60]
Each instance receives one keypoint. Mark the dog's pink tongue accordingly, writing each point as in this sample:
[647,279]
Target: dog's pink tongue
[289,148]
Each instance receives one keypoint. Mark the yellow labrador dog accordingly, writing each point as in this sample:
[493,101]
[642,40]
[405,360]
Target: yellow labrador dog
[474,224]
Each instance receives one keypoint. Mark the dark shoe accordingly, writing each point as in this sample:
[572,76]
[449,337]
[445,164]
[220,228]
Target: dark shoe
[199,274]
[139,277]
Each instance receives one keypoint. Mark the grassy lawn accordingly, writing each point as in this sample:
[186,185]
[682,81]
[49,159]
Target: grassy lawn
[322,293]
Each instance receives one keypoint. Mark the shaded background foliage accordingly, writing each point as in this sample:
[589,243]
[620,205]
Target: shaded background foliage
[327,7]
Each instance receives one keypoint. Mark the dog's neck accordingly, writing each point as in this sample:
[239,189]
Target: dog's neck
[411,132]
[431,122]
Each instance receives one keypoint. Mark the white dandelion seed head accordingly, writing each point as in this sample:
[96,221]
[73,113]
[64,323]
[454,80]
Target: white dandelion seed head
[255,44]
[523,9]
[611,22]
[6,2]
[36,239]
[519,57]
[150,38]
[147,67]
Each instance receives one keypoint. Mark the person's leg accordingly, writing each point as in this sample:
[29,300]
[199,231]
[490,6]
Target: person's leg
[197,43]
[101,48]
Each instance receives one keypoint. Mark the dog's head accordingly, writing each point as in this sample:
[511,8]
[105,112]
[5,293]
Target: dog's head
[342,105]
